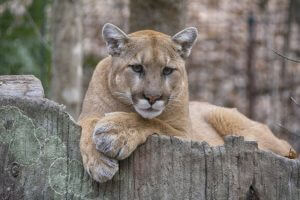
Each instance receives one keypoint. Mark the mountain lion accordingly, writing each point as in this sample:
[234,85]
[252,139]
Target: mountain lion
[141,89]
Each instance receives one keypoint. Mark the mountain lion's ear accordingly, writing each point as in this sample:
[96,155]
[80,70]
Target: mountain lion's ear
[186,39]
[115,39]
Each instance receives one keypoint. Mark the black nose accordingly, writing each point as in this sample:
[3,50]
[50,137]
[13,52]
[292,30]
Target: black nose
[152,98]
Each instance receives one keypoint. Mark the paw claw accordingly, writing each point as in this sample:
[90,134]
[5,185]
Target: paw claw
[122,154]
[88,170]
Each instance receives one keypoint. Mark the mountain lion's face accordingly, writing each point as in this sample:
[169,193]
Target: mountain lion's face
[148,70]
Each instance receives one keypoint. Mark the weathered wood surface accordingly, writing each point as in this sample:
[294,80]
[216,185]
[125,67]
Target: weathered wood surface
[20,86]
[40,159]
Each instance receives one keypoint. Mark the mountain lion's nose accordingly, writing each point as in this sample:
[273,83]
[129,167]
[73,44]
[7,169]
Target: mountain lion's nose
[152,98]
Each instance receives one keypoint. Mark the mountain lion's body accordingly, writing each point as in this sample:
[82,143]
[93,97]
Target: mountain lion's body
[142,89]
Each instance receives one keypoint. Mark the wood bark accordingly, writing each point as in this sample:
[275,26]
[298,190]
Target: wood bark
[167,16]
[40,159]
[66,83]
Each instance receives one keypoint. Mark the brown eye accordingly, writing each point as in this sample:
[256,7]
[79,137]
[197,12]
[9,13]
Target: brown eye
[137,68]
[167,71]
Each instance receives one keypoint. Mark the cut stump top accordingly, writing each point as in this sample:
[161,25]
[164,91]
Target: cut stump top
[21,86]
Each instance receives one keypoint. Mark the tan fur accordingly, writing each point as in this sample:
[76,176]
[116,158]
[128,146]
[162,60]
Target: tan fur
[118,129]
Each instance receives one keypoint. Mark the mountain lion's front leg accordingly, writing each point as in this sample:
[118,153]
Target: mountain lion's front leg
[118,134]
[100,167]
[114,137]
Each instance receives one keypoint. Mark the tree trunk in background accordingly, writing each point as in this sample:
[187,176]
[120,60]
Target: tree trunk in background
[167,16]
[251,66]
[284,100]
[67,54]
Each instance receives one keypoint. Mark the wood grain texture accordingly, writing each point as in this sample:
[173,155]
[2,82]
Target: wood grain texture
[40,159]
[20,86]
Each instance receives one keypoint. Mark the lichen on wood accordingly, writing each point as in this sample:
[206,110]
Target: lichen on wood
[40,161]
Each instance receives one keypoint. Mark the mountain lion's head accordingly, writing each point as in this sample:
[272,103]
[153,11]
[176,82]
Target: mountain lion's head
[148,67]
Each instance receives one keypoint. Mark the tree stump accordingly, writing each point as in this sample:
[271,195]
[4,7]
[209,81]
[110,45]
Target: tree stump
[40,159]
[21,86]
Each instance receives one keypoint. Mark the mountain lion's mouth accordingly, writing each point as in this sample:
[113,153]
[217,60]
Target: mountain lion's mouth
[147,110]
[148,113]
[150,110]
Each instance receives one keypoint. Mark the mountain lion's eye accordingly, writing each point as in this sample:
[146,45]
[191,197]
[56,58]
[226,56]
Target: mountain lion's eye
[137,68]
[168,71]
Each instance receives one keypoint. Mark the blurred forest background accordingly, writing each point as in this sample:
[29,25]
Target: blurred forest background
[233,63]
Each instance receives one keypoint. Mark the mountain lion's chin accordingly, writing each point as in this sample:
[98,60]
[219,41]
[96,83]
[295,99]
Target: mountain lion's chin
[149,113]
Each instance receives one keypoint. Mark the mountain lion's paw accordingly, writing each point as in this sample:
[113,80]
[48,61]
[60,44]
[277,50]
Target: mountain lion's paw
[101,168]
[114,140]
